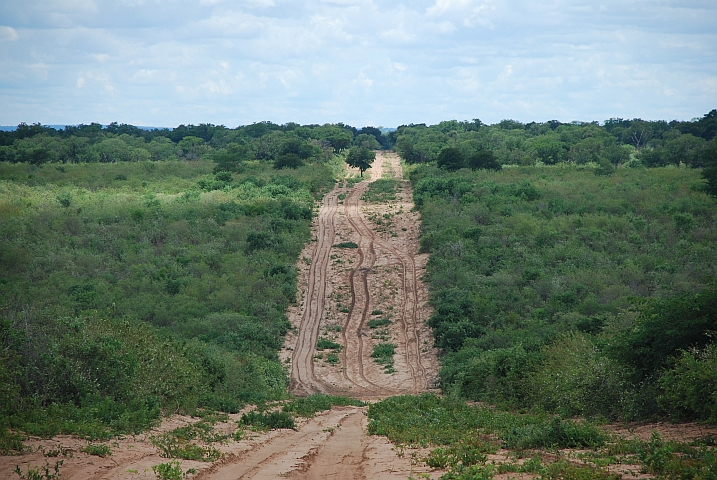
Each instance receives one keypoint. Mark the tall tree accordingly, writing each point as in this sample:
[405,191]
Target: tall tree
[361,158]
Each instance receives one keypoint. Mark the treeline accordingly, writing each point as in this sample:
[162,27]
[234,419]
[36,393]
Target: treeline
[135,287]
[617,142]
[573,289]
[94,143]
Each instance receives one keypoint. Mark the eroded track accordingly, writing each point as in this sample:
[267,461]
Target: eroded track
[384,261]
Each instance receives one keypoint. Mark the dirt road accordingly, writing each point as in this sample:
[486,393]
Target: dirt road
[345,288]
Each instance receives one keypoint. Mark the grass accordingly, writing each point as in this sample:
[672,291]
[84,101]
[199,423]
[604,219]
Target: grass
[383,355]
[325,344]
[379,322]
[346,245]
[268,420]
[193,441]
[381,190]
[463,436]
[100,450]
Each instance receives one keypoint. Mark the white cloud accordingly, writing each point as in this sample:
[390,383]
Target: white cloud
[8,34]
[312,61]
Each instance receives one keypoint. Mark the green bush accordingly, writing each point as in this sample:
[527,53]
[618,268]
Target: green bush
[271,420]
[575,378]
[689,385]
[324,344]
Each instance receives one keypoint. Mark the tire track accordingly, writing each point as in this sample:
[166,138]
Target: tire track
[354,371]
[303,381]
[359,375]
[284,452]
[409,303]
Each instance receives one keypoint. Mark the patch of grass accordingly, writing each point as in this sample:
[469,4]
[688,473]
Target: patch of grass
[171,471]
[677,460]
[383,355]
[326,344]
[555,433]
[381,190]
[10,442]
[99,449]
[40,472]
[308,406]
[270,420]
[379,322]
[376,312]
[182,442]
[332,359]
[346,245]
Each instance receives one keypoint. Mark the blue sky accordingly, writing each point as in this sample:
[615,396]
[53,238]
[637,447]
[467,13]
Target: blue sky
[362,62]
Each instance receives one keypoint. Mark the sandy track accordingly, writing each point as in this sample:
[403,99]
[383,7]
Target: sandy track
[382,262]
[303,381]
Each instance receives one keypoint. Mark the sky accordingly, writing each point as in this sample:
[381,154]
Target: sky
[361,62]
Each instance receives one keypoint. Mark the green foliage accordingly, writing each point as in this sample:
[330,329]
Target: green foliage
[383,355]
[191,442]
[346,245]
[576,378]
[122,302]
[673,461]
[689,385]
[100,450]
[379,322]
[324,344]
[431,420]
[563,469]
[40,472]
[271,420]
[451,159]
[170,471]
[709,172]
[483,160]
[523,256]
[288,160]
[664,326]
[361,158]
[555,433]
[381,190]
[10,442]
[308,406]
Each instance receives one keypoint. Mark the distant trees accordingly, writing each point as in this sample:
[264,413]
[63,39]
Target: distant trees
[451,159]
[361,158]
[483,160]
[709,173]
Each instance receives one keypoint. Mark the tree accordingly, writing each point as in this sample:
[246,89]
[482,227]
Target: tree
[709,173]
[451,159]
[361,158]
[368,141]
[484,160]
[288,160]
[231,159]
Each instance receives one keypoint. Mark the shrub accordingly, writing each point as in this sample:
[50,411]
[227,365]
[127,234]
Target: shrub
[664,327]
[689,385]
[575,378]
[272,420]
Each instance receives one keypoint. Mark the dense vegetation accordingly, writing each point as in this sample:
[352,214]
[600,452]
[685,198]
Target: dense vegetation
[462,437]
[566,283]
[149,271]
[617,142]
